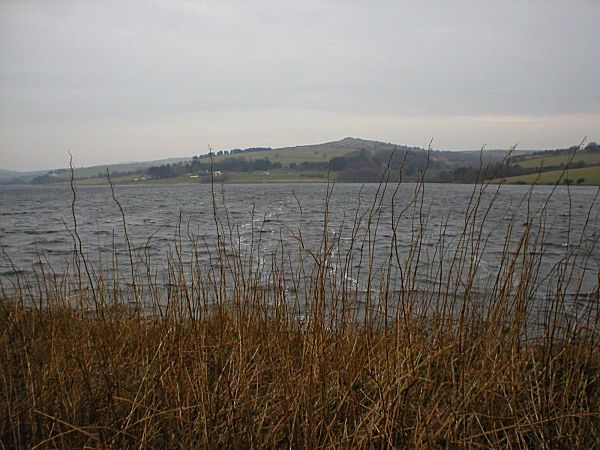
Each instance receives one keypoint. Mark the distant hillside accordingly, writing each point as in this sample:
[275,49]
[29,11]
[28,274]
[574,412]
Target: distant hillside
[328,150]
[81,173]
[555,159]
[584,175]
[13,176]
[310,153]
[347,160]
[564,166]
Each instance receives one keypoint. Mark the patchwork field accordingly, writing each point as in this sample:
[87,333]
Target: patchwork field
[589,175]
[557,160]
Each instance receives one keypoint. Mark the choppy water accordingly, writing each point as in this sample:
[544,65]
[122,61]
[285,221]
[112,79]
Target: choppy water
[36,228]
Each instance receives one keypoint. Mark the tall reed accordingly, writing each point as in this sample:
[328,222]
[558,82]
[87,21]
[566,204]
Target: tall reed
[238,348]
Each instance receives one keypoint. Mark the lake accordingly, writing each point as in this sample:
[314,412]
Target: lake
[419,237]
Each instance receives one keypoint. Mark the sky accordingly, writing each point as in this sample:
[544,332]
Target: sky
[143,80]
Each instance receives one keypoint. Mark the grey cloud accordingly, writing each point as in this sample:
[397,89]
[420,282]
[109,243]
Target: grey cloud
[77,63]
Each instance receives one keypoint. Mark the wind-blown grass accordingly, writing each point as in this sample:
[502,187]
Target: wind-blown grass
[217,357]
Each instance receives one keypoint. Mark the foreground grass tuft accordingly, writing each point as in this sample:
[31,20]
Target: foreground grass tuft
[73,379]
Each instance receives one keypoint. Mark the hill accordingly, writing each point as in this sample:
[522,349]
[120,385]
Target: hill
[574,165]
[347,160]
[14,176]
[81,173]
[326,151]
[583,175]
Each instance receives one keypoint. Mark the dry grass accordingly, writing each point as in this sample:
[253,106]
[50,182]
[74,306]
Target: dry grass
[216,359]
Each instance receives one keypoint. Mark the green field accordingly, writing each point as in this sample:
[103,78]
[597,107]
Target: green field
[91,172]
[273,176]
[591,175]
[310,153]
[280,176]
[557,160]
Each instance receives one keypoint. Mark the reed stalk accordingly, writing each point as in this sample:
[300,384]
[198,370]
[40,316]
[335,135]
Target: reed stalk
[241,349]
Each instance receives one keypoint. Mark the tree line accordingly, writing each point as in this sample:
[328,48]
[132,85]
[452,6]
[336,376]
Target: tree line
[198,167]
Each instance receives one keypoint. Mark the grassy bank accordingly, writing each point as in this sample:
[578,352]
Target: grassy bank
[541,161]
[271,176]
[586,175]
[215,357]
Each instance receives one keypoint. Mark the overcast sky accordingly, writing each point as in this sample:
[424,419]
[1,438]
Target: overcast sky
[122,81]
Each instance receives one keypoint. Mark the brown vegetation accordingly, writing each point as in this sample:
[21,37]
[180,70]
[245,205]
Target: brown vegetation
[217,359]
